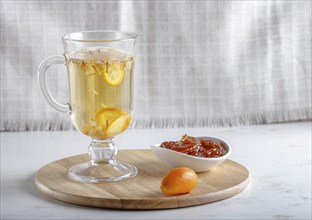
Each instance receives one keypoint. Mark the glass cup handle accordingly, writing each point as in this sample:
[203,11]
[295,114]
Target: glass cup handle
[42,71]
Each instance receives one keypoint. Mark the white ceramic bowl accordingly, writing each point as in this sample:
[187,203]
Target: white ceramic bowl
[198,164]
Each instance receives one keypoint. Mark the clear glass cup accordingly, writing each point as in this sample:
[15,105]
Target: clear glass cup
[100,73]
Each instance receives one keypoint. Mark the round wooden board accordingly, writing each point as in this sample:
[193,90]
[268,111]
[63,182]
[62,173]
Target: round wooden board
[142,191]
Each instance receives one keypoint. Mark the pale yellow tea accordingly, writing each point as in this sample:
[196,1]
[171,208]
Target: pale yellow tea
[101,90]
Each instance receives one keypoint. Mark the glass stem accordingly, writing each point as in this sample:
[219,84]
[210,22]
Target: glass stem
[102,151]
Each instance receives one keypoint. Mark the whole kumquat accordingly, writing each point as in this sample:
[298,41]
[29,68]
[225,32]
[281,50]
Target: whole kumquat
[179,181]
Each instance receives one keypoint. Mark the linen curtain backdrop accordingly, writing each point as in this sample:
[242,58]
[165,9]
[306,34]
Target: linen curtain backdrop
[199,63]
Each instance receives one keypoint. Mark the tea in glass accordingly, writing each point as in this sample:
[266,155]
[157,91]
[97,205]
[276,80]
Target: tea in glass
[101,91]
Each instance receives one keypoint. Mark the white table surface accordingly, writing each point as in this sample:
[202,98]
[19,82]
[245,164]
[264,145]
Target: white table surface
[278,157]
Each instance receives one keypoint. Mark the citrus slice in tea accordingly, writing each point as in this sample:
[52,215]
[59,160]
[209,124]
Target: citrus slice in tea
[114,120]
[113,73]
[118,126]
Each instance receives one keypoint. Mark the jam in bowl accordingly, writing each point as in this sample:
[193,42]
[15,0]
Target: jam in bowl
[198,153]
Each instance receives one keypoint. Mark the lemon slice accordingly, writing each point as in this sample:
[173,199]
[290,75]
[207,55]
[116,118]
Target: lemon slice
[113,74]
[106,116]
[113,120]
[118,126]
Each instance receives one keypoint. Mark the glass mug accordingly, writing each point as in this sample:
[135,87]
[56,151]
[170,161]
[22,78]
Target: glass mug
[100,73]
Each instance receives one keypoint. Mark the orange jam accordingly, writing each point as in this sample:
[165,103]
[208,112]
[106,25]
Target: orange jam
[196,147]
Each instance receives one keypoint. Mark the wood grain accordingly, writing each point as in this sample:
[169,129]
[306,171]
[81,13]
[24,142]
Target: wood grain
[143,191]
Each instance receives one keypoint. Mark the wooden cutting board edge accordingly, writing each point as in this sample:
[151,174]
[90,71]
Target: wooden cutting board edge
[131,204]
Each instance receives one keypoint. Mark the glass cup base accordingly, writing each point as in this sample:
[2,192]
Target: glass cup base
[110,171]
